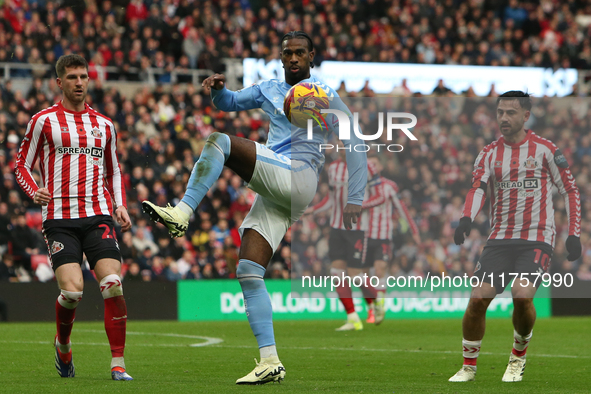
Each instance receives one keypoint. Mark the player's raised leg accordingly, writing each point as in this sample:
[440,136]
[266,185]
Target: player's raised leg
[71,284]
[238,154]
[524,317]
[108,273]
[255,254]
[473,327]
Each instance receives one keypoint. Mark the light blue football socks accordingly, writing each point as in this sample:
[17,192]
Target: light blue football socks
[257,303]
[207,170]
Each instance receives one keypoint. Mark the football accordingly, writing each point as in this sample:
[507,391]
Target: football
[304,101]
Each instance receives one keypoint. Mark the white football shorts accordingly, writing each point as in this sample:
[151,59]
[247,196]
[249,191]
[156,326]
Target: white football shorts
[284,190]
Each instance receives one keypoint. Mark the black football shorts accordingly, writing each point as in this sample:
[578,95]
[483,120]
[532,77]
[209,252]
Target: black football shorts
[68,239]
[500,264]
[346,245]
[377,249]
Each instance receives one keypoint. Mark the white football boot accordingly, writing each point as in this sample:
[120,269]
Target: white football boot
[168,216]
[379,309]
[515,368]
[466,374]
[268,370]
[353,323]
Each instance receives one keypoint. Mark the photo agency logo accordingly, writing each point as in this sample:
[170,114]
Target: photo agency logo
[344,127]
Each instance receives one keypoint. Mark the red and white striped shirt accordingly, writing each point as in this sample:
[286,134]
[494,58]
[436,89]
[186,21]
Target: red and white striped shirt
[520,179]
[381,218]
[336,200]
[78,162]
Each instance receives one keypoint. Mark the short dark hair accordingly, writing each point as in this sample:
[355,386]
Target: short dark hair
[69,61]
[299,34]
[523,98]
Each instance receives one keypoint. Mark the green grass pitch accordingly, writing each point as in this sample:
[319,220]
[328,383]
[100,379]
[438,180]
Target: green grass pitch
[411,356]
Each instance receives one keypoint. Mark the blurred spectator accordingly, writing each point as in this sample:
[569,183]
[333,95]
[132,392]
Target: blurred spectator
[23,241]
[7,269]
[193,46]
[141,242]
[4,228]
[133,273]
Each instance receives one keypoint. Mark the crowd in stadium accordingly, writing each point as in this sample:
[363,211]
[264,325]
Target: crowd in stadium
[185,34]
[162,131]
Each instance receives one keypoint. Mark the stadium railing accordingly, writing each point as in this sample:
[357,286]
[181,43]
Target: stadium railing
[151,75]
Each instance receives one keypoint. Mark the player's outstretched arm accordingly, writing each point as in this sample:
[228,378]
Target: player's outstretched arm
[229,101]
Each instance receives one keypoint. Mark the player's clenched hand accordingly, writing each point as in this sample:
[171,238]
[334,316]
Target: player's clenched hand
[216,81]
[465,227]
[351,214]
[573,247]
[123,218]
[42,196]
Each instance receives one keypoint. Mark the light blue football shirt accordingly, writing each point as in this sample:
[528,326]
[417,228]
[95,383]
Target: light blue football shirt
[290,141]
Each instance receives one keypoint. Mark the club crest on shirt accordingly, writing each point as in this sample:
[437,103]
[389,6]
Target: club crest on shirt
[96,132]
[531,163]
[56,247]
[498,164]
[64,129]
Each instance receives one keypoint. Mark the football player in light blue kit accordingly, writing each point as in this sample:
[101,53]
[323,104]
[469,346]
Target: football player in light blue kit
[284,174]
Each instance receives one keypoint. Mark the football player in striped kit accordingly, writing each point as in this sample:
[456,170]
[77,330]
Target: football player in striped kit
[81,189]
[381,224]
[347,248]
[519,172]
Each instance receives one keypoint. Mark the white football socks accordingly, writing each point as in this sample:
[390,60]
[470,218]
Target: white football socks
[117,362]
[185,209]
[64,349]
[269,351]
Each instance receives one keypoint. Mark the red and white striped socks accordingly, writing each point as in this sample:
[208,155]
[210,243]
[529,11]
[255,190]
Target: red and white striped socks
[520,343]
[65,313]
[115,317]
[471,350]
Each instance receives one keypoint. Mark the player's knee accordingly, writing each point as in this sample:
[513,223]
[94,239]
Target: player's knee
[521,303]
[69,299]
[221,141]
[478,305]
[111,286]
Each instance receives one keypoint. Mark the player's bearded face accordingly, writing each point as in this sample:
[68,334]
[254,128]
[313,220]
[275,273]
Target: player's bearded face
[74,84]
[511,117]
[296,59]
